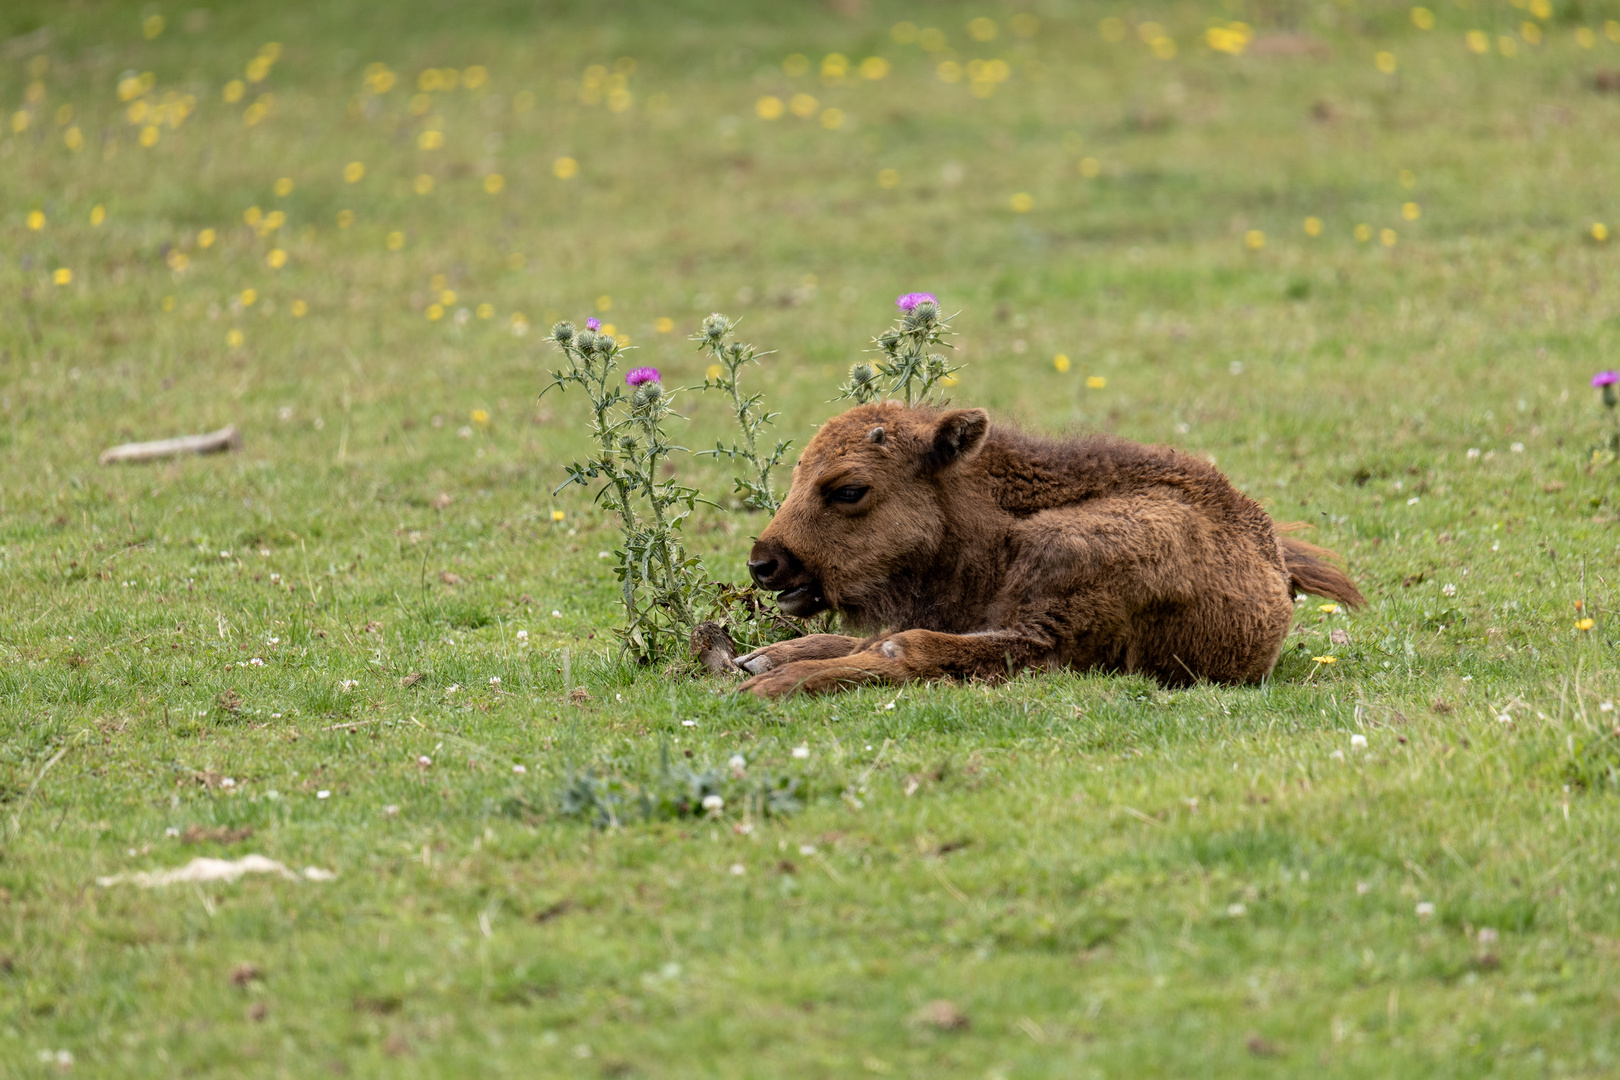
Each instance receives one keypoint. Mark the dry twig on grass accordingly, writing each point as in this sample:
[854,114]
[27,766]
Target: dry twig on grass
[226,438]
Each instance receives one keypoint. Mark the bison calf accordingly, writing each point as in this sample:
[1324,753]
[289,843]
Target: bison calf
[968,550]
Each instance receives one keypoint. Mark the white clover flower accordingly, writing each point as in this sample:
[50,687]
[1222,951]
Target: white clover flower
[738,869]
[713,803]
[256,662]
[494,680]
[1424,909]
[424,761]
[1486,936]
[1236,911]
[228,782]
[1449,589]
[738,762]
[1358,742]
[519,769]
[348,684]
[523,636]
[801,752]
[171,832]
[323,794]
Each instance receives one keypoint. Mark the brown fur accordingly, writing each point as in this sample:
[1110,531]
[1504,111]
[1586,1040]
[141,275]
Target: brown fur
[976,551]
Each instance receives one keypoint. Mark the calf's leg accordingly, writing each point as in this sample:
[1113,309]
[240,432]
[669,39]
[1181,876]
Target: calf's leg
[904,656]
[809,647]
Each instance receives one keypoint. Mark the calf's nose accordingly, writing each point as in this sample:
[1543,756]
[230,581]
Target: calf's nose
[773,566]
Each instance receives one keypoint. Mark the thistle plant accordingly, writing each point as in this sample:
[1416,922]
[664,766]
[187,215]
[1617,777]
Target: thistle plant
[660,584]
[1605,381]
[908,368]
[730,357]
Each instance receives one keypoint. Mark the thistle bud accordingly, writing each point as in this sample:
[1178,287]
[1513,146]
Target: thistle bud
[715,327]
[585,341]
[889,340]
[562,333]
[646,395]
[861,373]
[923,316]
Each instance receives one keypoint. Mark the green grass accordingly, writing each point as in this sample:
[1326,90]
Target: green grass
[1106,879]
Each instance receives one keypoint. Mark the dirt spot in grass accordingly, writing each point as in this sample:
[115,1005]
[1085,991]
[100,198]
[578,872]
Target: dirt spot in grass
[381,1006]
[450,579]
[1260,1046]
[76,661]
[787,866]
[1440,707]
[552,911]
[8,966]
[1606,82]
[196,834]
[230,701]
[373,627]
[207,778]
[579,695]
[396,1045]
[412,679]
[242,974]
[258,1011]
[941,1015]
[442,500]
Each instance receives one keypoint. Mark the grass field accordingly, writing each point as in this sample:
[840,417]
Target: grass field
[353,645]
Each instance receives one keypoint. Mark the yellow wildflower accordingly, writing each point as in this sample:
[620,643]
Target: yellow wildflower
[663,324]
[1385,62]
[276,259]
[151,26]
[1254,239]
[486,311]
[1090,168]
[205,238]
[557,515]
[1022,203]
[299,309]
[423,184]
[394,240]
[73,138]
[1325,659]
[447,297]
[1386,237]
[345,218]
[1095,382]
[565,168]
[604,303]
[888,178]
[1584,625]
[353,171]
[1422,18]
[769,107]
[149,135]
[1313,226]
[1060,362]
[284,186]
[475,76]
[252,215]
[234,338]
[495,183]
[430,140]
[874,68]
[36,219]
[98,214]
[1411,211]
[803,106]
[1600,231]
[248,296]
[63,276]
[714,371]
[1329,609]
[435,312]
[479,416]
[233,91]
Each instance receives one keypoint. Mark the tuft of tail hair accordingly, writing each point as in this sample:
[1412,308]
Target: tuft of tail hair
[1311,571]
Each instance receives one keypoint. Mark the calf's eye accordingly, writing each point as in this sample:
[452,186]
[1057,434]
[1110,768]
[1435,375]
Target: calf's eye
[847,494]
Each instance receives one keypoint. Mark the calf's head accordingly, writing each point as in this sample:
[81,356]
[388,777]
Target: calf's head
[867,505]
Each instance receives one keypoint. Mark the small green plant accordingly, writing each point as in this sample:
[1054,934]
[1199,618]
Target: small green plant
[677,791]
[660,583]
[730,357]
[908,368]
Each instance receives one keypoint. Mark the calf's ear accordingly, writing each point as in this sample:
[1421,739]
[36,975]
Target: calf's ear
[957,435]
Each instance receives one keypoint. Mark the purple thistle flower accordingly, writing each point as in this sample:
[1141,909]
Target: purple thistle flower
[912,299]
[1605,378]
[641,375]
[593,324]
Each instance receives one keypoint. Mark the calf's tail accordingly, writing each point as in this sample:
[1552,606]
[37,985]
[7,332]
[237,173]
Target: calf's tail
[1310,571]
